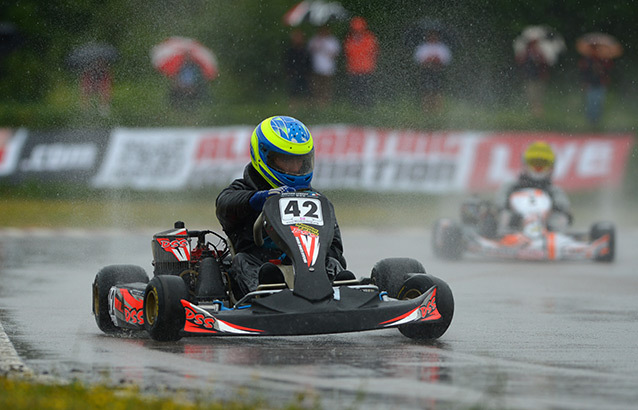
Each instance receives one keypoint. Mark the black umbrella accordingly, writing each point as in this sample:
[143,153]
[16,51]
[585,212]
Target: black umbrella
[87,54]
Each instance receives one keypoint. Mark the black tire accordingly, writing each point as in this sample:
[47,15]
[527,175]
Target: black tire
[415,286]
[447,240]
[600,229]
[106,278]
[164,315]
[390,273]
[488,226]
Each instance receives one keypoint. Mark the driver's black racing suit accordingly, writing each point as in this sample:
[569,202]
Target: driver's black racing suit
[237,218]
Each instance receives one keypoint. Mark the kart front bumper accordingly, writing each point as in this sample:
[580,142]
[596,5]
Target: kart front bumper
[283,313]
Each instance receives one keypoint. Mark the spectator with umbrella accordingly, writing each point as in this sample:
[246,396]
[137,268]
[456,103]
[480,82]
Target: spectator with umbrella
[93,61]
[297,66]
[536,50]
[432,56]
[324,49]
[598,51]
[189,65]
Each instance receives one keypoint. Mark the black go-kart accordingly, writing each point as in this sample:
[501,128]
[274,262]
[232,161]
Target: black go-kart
[191,292]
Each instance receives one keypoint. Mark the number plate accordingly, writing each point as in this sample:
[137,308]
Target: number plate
[301,211]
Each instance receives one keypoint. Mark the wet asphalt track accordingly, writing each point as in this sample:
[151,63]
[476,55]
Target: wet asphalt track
[525,335]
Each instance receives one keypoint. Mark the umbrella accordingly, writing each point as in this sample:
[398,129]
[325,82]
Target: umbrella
[87,54]
[599,45]
[550,43]
[417,32]
[169,56]
[315,12]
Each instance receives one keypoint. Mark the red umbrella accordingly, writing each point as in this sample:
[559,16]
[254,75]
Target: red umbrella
[600,45]
[169,56]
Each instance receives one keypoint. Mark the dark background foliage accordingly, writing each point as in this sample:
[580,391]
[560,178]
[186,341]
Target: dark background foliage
[249,39]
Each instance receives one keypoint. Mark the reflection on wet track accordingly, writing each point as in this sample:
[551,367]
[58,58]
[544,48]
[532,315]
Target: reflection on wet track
[524,335]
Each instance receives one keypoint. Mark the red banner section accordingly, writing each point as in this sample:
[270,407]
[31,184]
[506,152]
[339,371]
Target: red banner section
[10,147]
[347,157]
[582,161]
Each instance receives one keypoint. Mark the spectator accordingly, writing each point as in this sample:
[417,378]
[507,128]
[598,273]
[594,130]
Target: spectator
[96,84]
[595,72]
[297,65]
[535,71]
[324,49]
[188,86]
[361,51]
[432,56]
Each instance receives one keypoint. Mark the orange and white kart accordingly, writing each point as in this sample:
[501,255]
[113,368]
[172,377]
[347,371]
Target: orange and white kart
[476,234]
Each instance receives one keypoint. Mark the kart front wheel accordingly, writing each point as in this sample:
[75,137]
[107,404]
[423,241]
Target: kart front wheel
[390,273]
[105,279]
[164,315]
[414,287]
[600,229]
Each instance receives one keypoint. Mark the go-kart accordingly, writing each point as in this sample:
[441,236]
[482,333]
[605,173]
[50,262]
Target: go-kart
[534,239]
[193,294]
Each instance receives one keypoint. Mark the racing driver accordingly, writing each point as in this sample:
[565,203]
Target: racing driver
[538,165]
[282,160]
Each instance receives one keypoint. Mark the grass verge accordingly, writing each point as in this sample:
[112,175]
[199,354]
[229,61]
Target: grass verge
[19,394]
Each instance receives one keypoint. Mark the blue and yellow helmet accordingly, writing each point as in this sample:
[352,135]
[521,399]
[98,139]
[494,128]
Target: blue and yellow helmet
[282,151]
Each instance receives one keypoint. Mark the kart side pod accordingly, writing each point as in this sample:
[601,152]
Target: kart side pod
[171,251]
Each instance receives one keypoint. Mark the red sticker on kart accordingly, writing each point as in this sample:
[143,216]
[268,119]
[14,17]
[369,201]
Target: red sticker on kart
[308,241]
[178,247]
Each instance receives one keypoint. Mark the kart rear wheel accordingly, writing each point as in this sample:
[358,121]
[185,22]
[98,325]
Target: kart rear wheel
[600,229]
[447,240]
[414,287]
[390,273]
[106,278]
[164,315]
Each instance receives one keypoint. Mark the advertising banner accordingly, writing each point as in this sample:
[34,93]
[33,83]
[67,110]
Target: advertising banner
[10,148]
[70,156]
[439,162]
[159,159]
[346,157]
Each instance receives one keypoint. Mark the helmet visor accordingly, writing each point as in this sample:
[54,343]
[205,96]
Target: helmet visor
[290,164]
[539,164]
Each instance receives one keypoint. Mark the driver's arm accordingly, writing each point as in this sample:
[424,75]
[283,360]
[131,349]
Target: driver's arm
[336,247]
[560,198]
[233,206]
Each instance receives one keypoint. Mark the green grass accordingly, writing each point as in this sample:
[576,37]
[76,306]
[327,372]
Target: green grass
[23,394]
[65,207]
[144,103]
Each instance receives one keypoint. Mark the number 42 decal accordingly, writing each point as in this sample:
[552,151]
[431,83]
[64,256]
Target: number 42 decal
[301,210]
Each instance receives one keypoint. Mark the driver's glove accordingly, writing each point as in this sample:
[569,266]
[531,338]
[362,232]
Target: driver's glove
[259,198]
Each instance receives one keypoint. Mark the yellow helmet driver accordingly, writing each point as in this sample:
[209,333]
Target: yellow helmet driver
[538,161]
